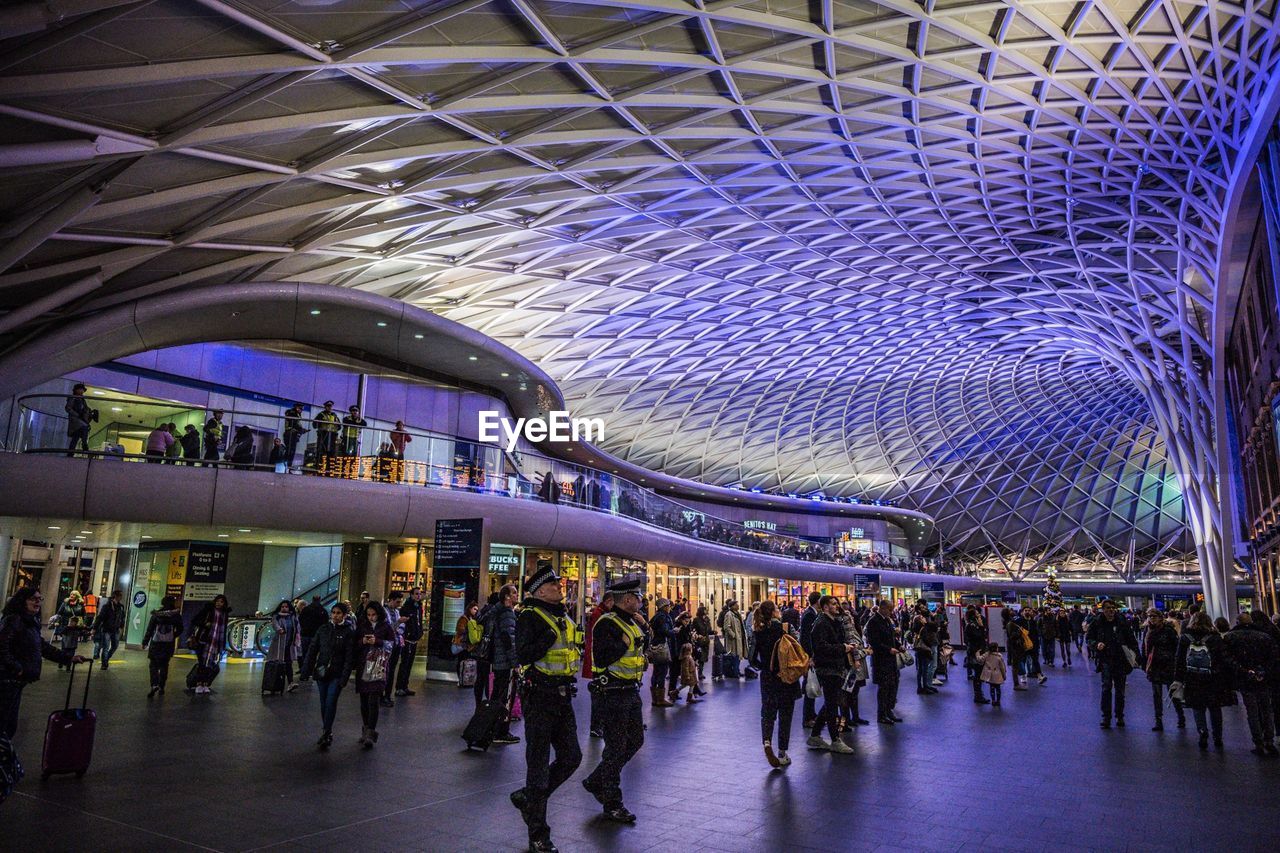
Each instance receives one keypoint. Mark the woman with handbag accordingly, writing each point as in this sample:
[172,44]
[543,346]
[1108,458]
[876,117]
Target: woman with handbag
[286,645]
[374,640]
[663,633]
[331,654]
[857,675]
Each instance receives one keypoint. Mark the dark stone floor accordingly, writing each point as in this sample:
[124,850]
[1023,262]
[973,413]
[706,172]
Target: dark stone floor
[236,771]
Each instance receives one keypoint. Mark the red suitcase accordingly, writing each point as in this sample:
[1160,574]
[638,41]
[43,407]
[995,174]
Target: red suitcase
[68,739]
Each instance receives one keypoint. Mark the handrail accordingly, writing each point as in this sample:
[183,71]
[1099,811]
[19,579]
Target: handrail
[414,457]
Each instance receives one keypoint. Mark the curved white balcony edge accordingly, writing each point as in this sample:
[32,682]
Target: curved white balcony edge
[42,486]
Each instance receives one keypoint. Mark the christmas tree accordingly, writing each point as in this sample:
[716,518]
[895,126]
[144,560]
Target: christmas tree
[1052,590]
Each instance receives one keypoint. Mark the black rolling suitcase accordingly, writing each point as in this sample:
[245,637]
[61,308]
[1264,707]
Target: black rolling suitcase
[484,724]
[273,680]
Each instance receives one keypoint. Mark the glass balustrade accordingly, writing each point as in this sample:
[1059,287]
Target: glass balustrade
[122,429]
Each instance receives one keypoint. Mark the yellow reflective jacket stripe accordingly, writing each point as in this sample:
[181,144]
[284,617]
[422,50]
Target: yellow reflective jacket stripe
[564,657]
[629,667]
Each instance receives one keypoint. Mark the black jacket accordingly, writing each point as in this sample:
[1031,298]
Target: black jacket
[311,619]
[22,649]
[160,619]
[413,628]
[807,618]
[827,641]
[1160,654]
[764,660]
[332,649]
[1253,657]
[1113,634]
[975,638]
[110,617]
[534,638]
[608,643]
[1200,691]
[883,638]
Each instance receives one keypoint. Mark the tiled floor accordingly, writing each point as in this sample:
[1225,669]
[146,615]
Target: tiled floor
[236,771]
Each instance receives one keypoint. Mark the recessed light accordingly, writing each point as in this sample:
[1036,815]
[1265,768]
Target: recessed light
[419,337]
[266,541]
[368,537]
[54,527]
[145,536]
[315,312]
[223,535]
[116,409]
[505,375]
[381,325]
[472,358]
[245,530]
[99,393]
[85,532]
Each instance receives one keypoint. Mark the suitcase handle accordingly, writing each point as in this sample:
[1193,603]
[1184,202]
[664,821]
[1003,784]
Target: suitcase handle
[85,701]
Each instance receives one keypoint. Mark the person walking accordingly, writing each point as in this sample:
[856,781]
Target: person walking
[392,607]
[1202,674]
[1160,657]
[595,726]
[549,648]
[1076,619]
[375,638]
[830,662]
[213,434]
[22,651]
[71,628]
[311,619]
[329,659]
[286,644]
[702,633]
[161,641]
[882,636]
[1064,636]
[106,627]
[1116,651]
[79,416]
[208,639]
[1048,635]
[501,623]
[662,636]
[618,665]
[411,623]
[777,697]
[1255,660]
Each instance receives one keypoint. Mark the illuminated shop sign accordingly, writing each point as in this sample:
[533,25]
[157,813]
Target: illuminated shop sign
[857,533]
[757,524]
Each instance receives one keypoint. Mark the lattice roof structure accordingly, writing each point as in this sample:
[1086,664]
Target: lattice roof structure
[958,253]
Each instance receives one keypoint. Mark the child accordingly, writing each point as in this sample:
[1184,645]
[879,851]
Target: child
[993,672]
[689,673]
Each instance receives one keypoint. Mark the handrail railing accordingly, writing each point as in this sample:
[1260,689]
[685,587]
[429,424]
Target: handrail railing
[408,457]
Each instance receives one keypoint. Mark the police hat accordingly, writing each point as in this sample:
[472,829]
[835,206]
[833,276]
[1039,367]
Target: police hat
[545,573]
[627,584]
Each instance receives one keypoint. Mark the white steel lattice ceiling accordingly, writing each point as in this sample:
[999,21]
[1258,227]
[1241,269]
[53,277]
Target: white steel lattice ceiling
[959,254]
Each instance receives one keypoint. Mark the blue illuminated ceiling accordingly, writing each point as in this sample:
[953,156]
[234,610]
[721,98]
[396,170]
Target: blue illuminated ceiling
[958,254]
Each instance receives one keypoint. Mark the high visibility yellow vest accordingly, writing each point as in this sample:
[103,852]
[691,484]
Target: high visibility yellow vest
[565,655]
[629,667]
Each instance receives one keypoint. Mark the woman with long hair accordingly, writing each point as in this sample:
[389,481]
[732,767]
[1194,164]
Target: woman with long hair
[330,657]
[777,697]
[22,649]
[286,645]
[208,640]
[374,639]
[161,641]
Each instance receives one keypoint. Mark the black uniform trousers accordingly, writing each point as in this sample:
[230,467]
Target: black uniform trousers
[549,723]
[623,724]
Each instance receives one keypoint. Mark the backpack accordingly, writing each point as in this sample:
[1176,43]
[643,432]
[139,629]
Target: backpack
[1019,634]
[475,631]
[164,632]
[793,663]
[1199,658]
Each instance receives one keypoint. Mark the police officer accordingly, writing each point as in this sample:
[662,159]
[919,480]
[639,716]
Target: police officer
[548,647]
[618,662]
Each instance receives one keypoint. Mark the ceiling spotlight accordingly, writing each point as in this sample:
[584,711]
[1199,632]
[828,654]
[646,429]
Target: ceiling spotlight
[315,312]
[116,409]
[245,530]
[419,337]
[472,358]
[98,393]
[54,527]
[223,535]
[145,536]
[505,375]
[381,324]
